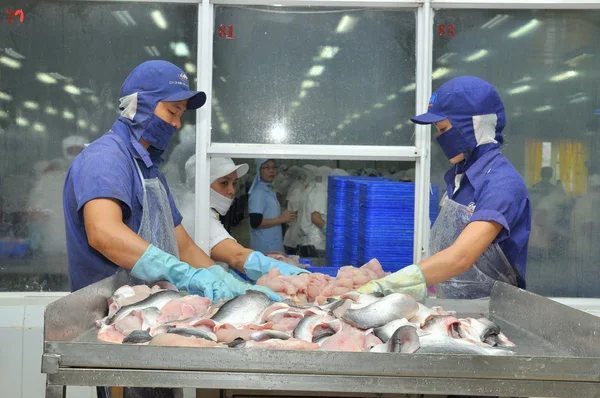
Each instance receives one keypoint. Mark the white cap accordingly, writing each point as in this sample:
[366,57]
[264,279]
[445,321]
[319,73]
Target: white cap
[311,170]
[73,140]
[339,172]
[325,171]
[219,167]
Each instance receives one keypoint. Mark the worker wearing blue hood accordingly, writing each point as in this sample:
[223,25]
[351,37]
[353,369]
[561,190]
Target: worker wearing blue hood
[482,231]
[119,212]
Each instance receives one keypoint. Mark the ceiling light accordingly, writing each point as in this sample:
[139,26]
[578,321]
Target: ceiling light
[329,52]
[278,132]
[295,104]
[224,126]
[333,133]
[356,116]
[497,20]
[58,76]
[398,126]
[573,62]
[40,128]
[82,123]
[45,78]
[31,105]
[367,112]
[524,79]
[476,56]
[190,67]
[3,114]
[223,79]
[68,115]
[316,70]
[544,108]
[124,17]
[346,24]
[5,97]
[410,87]
[439,73]
[180,49]
[94,128]
[579,99]
[564,76]
[152,51]
[94,100]
[51,111]
[10,62]
[341,126]
[71,89]
[443,60]
[159,19]
[21,121]
[308,84]
[391,97]
[528,27]
[13,53]
[387,133]
[378,105]
[302,94]
[519,90]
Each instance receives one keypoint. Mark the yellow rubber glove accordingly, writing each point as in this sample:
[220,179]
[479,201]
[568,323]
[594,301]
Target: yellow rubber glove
[409,280]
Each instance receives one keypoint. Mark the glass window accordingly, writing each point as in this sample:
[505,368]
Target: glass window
[313,76]
[545,65]
[61,72]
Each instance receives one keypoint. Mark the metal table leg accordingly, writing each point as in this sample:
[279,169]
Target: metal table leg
[54,391]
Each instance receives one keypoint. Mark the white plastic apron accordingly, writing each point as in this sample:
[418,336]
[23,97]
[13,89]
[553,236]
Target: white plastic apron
[490,267]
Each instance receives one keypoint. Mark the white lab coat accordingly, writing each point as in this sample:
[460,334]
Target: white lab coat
[294,201]
[315,199]
[544,226]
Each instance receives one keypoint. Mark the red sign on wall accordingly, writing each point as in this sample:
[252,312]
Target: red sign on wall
[226,32]
[15,15]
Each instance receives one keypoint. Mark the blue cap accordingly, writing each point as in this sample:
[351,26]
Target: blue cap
[164,81]
[462,98]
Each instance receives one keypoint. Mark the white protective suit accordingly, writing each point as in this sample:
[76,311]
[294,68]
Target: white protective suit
[294,200]
[314,200]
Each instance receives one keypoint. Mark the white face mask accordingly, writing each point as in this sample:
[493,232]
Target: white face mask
[219,202]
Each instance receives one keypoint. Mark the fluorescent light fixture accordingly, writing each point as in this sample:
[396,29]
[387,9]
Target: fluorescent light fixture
[523,30]
[476,56]
[316,70]
[333,133]
[398,126]
[387,133]
[71,89]
[295,104]
[124,17]
[45,78]
[5,97]
[346,24]
[12,53]
[328,52]
[308,84]
[410,87]
[68,115]
[573,62]
[3,114]
[519,90]
[190,67]
[108,105]
[82,123]
[51,111]
[564,76]
[58,76]
[367,112]
[524,79]
[86,90]
[544,108]
[444,59]
[21,121]
[278,132]
[391,97]
[180,49]
[224,126]
[94,100]
[516,114]
[579,99]
[341,126]
[159,19]
[378,105]
[222,79]
[152,51]
[40,128]
[10,62]
[302,94]
[356,116]
[94,128]
[31,105]
[497,20]
[439,73]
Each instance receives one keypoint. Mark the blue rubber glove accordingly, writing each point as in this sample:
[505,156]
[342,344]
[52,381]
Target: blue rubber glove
[157,265]
[257,265]
[240,286]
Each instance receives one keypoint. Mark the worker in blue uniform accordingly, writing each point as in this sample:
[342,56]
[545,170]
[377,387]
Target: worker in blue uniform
[482,231]
[266,218]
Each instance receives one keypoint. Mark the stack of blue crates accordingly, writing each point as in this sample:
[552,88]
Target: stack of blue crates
[372,218]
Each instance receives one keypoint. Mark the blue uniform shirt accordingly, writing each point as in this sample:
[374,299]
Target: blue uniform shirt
[264,201]
[498,193]
[105,169]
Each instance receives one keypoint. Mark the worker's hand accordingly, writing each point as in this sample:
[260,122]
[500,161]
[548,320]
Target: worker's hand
[287,217]
[409,280]
[239,286]
[257,265]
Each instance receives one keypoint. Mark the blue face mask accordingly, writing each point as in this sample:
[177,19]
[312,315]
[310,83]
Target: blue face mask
[158,133]
[453,142]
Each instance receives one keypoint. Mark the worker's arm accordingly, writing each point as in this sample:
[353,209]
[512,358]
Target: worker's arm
[461,256]
[230,252]
[189,252]
[258,222]
[317,219]
[106,232]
